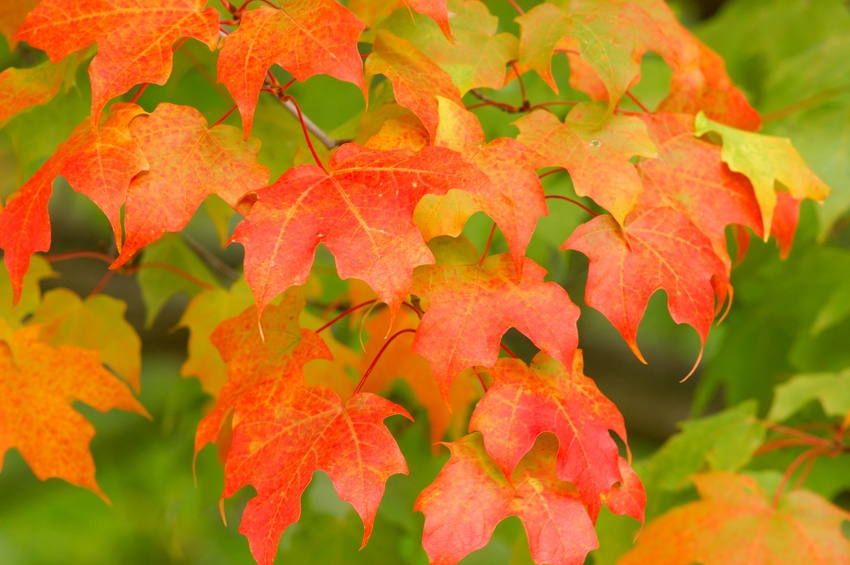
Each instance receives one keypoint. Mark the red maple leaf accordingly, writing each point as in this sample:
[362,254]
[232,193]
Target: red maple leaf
[362,211]
[187,162]
[305,37]
[658,248]
[284,430]
[525,401]
[99,163]
[471,495]
[134,38]
[471,305]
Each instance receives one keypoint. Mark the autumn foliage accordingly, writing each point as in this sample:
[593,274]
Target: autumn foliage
[299,354]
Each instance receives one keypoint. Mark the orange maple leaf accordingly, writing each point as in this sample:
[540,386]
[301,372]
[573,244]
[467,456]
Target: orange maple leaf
[38,384]
[134,38]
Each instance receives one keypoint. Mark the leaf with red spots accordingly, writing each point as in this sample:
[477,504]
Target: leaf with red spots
[361,210]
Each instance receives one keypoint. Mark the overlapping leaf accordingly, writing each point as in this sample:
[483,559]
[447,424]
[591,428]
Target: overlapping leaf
[766,161]
[595,149]
[475,56]
[12,15]
[605,41]
[284,430]
[373,11]
[399,362]
[736,523]
[38,384]
[514,198]
[305,37]
[22,88]
[471,495]
[471,304]
[525,401]
[134,38]
[99,163]
[658,248]
[361,210]
[188,162]
[97,324]
[417,80]
[690,177]
[202,316]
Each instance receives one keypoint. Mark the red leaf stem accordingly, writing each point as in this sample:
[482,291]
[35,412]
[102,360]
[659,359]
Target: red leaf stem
[378,356]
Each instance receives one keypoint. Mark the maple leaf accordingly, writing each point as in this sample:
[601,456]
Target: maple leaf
[134,38]
[525,401]
[472,304]
[305,37]
[99,163]
[690,177]
[284,430]
[96,324]
[657,248]
[22,88]
[514,197]
[417,81]
[766,161]
[610,38]
[38,383]
[595,149]
[736,523]
[187,162]
[475,56]
[471,495]
[399,362]
[362,211]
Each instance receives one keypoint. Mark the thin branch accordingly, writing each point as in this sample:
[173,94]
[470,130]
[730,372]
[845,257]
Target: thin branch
[56,257]
[209,258]
[576,202]
[636,101]
[343,314]
[224,117]
[378,356]
[139,93]
[805,103]
[508,351]
[487,245]
[516,7]
[172,269]
[303,120]
[308,124]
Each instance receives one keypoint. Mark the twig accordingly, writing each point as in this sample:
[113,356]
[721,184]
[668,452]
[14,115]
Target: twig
[317,132]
